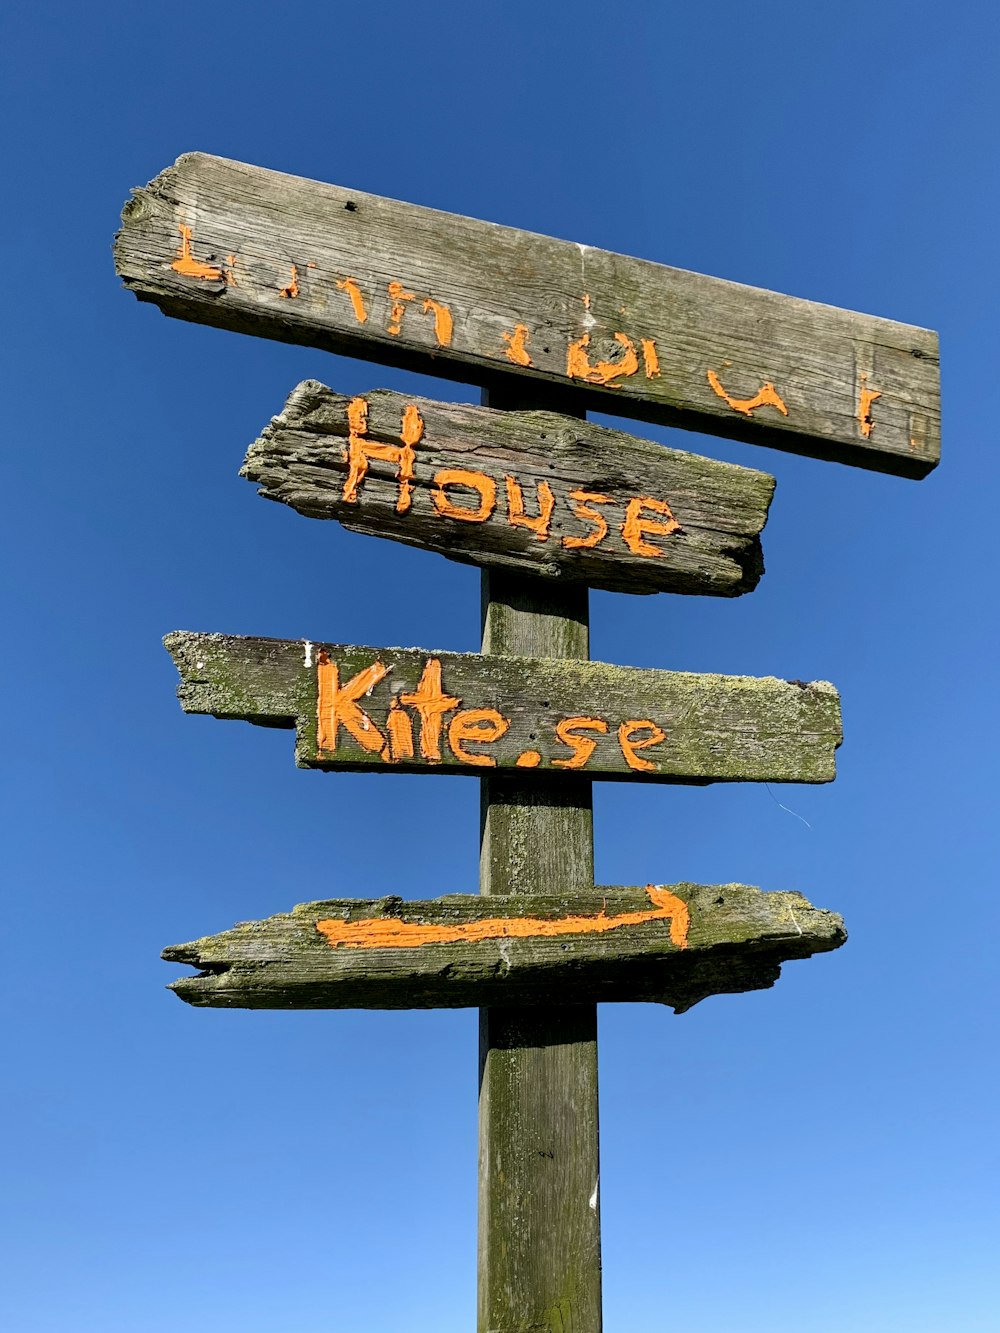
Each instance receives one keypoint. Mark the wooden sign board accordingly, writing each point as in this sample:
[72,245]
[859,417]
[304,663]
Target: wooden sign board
[673,944]
[401,709]
[533,492]
[239,247]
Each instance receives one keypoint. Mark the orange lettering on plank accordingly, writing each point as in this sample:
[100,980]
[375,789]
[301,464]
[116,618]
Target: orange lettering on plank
[479,725]
[393,933]
[231,271]
[516,349]
[581,508]
[431,704]
[292,288]
[627,731]
[337,705]
[578,362]
[766,396]
[866,397]
[582,746]
[400,728]
[352,289]
[635,526]
[443,323]
[515,508]
[650,361]
[413,425]
[530,759]
[399,299]
[357,416]
[186,263]
[485,487]
[360,450]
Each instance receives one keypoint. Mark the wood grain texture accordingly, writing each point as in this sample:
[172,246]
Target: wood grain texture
[534,492]
[259,252]
[736,940]
[493,712]
[563,719]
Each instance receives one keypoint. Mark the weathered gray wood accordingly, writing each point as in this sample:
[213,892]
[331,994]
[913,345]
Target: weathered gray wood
[673,944]
[534,492]
[228,244]
[360,709]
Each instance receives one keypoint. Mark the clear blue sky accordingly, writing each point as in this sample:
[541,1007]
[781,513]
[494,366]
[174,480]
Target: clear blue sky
[812,1159]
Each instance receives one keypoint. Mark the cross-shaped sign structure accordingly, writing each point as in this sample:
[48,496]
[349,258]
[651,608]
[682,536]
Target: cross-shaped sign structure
[549,505]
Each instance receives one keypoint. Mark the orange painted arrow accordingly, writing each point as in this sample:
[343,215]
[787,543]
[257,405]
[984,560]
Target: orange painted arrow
[392,933]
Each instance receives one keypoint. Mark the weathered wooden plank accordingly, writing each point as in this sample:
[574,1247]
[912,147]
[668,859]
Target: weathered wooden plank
[224,243]
[402,709]
[673,944]
[534,492]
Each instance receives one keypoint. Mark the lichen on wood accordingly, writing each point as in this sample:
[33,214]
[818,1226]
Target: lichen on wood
[673,944]
[405,710]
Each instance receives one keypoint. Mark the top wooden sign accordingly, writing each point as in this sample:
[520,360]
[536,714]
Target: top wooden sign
[264,253]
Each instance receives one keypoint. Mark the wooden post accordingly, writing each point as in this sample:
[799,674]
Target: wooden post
[539,1203]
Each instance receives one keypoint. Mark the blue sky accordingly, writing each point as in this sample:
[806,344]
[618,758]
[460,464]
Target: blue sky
[818,1157]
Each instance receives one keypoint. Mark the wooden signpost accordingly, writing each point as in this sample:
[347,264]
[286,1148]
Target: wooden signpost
[550,506]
